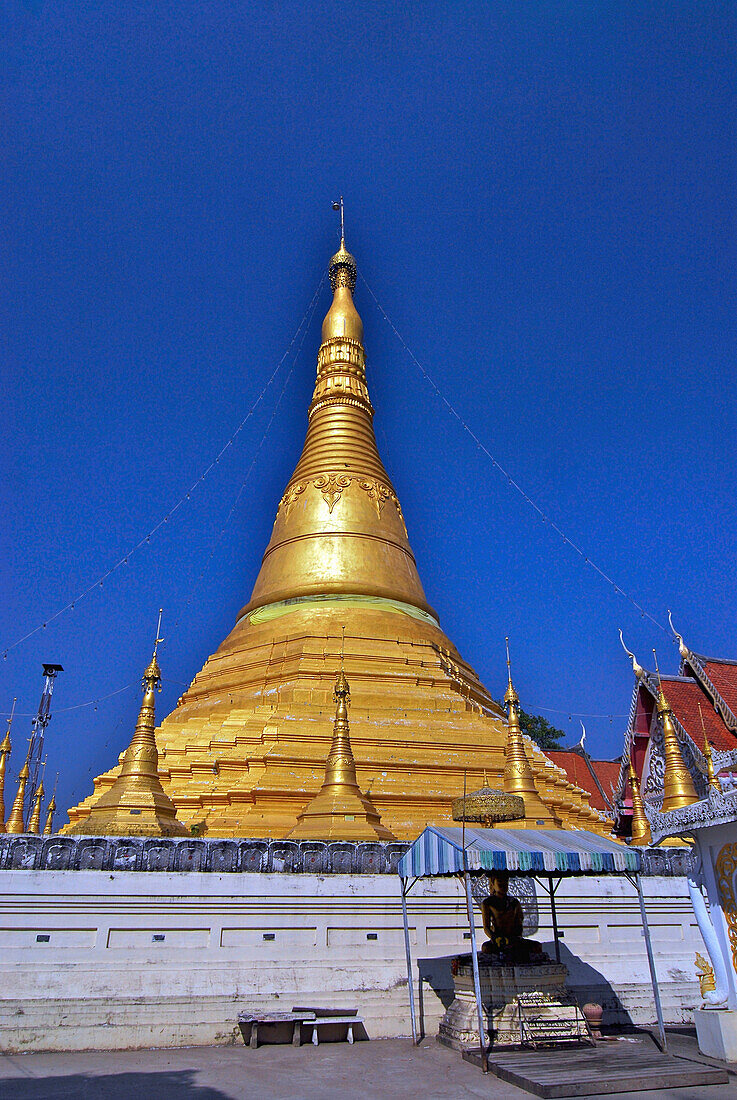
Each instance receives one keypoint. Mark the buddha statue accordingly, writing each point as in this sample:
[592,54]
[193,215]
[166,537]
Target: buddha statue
[503,919]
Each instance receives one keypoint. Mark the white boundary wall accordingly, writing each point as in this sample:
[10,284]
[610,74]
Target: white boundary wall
[83,964]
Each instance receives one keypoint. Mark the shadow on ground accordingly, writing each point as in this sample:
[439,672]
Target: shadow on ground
[116,1086]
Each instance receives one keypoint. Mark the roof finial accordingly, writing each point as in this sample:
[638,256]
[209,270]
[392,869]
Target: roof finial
[339,206]
[637,668]
[682,647]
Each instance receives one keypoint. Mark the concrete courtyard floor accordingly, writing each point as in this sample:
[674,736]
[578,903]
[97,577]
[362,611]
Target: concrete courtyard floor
[388,1069]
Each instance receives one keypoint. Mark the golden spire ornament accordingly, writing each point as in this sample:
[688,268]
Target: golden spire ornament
[640,826]
[711,774]
[4,754]
[15,823]
[50,811]
[34,822]
[518,775]
[678,787]
[339,811]
[136,804]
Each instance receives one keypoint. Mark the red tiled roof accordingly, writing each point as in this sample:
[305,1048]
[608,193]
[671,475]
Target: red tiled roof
[723,676]
[684,697]
[578,773]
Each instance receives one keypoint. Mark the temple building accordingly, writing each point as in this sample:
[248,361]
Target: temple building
[244,752]
[699,708]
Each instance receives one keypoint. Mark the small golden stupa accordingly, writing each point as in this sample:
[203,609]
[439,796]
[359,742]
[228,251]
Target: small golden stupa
[50,811]
[34,821]
[678,787]
[135,804]
[641,835]
[244,751]
[16,821]
[339,810]
[519,777]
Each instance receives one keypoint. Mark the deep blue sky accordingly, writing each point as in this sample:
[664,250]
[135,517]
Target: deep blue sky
[542,198]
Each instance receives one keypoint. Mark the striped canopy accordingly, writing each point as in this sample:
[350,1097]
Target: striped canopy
[439,851]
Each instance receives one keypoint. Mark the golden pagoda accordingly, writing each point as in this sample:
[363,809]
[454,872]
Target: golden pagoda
[244,751]
[135,803]
[339,810]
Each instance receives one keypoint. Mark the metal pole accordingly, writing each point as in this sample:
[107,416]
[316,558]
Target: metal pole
[475,966]
[408,952]
[651,964]
[554,915]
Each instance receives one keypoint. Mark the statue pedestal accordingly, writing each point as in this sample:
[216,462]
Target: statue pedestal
[716,1030]
[539,990]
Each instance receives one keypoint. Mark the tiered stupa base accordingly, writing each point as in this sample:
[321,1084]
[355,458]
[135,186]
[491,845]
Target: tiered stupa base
[244,751]
[538,992]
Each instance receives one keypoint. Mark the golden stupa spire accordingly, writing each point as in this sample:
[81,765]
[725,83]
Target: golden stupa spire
[16,822]
[640,826]
[4,754]
[339,532]
[518,775]
[678,787]
[136,804]
[34,822]
[711,774]
[50,811]
[339,811]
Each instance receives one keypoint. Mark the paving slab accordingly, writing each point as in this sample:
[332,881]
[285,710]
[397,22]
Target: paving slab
[387,1069]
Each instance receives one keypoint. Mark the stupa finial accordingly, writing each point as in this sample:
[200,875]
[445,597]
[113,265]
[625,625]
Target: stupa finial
[511,698]
[4,754]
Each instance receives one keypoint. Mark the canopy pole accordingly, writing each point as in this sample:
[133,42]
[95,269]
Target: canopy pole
[475,966]
[408,952]
[554,916]
[651,964]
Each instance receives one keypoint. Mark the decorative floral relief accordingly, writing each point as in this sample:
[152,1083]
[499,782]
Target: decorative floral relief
[726,867]
[332,487]
[291,495]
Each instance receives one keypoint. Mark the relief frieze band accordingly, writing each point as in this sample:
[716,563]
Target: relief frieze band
[332,487]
